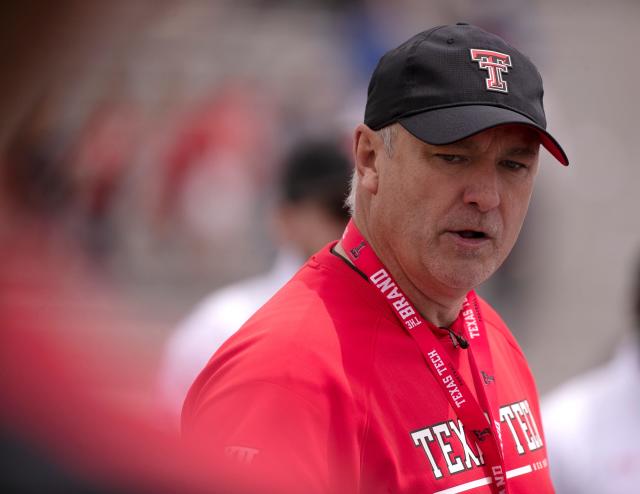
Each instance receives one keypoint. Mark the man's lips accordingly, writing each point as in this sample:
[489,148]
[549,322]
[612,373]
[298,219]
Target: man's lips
[471,233]
[470,236]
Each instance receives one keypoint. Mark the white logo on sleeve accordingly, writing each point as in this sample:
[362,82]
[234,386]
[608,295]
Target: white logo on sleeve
[241,454]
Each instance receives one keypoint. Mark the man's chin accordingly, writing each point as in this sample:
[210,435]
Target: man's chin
[468,275]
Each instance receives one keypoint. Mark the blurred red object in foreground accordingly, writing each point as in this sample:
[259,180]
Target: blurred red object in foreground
[59,431]
[73,442]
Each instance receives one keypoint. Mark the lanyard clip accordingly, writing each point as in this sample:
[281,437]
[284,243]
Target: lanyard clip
[458,339]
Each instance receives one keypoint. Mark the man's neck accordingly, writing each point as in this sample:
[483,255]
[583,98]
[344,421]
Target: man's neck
[441,311]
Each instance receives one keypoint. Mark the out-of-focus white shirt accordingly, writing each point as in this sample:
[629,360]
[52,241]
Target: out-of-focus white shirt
[592,428]
[214,320]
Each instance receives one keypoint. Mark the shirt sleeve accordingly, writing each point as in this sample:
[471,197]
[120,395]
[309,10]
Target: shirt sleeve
[272,438]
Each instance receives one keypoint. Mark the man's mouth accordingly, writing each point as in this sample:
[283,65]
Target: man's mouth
[471,234]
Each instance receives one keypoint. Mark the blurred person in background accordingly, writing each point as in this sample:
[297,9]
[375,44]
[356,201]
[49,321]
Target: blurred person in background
[220,156]
[376,368]
[102,156]
[592,422]
[36,184]
[312,187]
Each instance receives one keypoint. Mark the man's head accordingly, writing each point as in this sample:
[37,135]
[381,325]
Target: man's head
[313,185]
[447,156]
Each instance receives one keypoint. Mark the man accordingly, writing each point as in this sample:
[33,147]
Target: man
[312,185]
[377,368]
[593,422]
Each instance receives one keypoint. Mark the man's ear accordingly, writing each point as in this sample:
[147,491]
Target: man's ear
[367,151]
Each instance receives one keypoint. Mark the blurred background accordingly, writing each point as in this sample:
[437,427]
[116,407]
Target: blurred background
[139,142]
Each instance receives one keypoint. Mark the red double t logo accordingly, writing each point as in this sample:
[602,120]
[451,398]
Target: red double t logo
[495,63]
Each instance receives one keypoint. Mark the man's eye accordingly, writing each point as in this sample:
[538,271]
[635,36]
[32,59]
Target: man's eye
[514,165]
[452,158]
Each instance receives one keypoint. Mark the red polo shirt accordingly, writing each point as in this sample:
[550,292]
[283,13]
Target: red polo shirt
[322,390]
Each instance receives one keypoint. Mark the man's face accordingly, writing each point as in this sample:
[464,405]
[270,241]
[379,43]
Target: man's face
[449,215]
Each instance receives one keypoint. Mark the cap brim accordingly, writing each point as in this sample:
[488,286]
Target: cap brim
[447,125]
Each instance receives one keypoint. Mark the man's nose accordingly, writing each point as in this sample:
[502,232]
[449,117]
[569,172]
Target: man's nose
[483,188]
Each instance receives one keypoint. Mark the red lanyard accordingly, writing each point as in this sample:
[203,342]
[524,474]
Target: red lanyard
[478,416]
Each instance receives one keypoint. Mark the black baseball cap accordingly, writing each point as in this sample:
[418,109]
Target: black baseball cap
[451,82]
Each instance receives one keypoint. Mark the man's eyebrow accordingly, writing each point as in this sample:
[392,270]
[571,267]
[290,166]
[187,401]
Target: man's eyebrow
[529,151]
